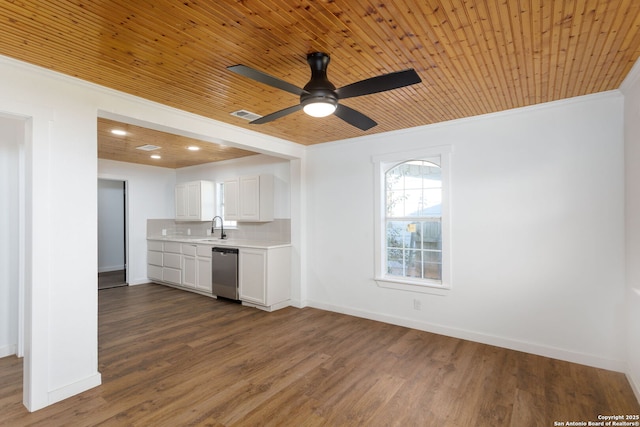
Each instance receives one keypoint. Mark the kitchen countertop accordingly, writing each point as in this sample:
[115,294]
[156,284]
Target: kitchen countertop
[213,241]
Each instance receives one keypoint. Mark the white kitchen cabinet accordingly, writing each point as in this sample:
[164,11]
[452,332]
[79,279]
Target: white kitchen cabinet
[172,263]
[249,198]
[196,267]
[195,201]
[154,260]
[265,277]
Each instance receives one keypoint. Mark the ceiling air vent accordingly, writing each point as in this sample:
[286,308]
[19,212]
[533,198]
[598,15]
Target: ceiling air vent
[247,115]
[148,147]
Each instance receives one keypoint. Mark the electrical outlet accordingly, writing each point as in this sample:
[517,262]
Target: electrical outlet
[417,305]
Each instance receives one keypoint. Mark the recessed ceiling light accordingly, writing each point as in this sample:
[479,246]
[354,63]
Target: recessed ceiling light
[119,132]
[193,148]
[156,156]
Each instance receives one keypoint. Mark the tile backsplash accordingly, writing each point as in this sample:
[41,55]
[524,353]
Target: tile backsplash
[278,230]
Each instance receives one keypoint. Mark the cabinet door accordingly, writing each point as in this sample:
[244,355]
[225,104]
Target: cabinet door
[253,273]
[189,271]
[203,278]
[181,202]
[250,198]
[231,200]
[193,200]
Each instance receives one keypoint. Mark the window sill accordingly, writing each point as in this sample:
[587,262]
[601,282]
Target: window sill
[420,286]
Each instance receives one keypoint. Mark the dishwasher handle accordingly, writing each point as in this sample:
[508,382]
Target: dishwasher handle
[225,250]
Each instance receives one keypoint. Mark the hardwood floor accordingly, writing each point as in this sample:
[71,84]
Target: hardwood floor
[173,358]
[112,279]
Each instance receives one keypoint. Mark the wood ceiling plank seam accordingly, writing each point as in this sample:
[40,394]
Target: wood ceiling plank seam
[272,37]
[355,61]
[613,47]
[443,68]
[600,44]
[586,40]
[548,54]
[527,48]
[91,45]
[557,65]
[452,68]
[459,69]
[559,62]
[291,61]
[621,67]
[539,37]
[426,78]
[485,54]
[511,52]
[435,80]
[475,44]
[445,88]
[574,55]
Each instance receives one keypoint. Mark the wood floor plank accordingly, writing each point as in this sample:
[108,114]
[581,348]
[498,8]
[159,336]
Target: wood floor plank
[173,358]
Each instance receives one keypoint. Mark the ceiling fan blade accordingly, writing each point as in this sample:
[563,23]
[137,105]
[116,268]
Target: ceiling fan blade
[271,117]
[354,118]
[377,84]
[261,77]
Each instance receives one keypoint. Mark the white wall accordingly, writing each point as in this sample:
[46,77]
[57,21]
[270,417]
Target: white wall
[631,90]
[537,230]
[111,225]
[251,165]
[150,194]
[11,136]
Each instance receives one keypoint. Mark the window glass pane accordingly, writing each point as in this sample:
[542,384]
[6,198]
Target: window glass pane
[413,209]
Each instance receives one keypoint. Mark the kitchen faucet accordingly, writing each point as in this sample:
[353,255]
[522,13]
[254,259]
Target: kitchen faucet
[213,227]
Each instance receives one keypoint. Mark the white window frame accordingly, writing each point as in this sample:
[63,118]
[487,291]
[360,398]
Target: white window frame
[383,163]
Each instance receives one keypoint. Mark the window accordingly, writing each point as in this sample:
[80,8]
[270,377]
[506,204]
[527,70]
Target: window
[412,220]
[220,205]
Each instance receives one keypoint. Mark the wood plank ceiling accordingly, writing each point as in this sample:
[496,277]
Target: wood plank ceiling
[474,56]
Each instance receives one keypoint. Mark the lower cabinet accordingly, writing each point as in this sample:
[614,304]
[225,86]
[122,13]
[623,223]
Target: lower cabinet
[182,264]
[265,277]
[172,263]
[196,267]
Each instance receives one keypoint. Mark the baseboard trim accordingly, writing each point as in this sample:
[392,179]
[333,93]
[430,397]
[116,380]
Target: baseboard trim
[111,268]
[72,389]
[527,347]
[635,385]
[8,350]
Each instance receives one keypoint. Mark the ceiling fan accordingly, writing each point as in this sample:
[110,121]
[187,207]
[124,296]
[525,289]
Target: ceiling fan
[319,97]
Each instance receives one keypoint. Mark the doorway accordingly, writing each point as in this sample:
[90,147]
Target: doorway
[112,233]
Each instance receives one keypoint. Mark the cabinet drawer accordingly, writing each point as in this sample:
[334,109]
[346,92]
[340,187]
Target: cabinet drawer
[154,272]
[173,247]
[154,245]
[172,275]
[189,249]
[154,258]
[204,251]
[172,260]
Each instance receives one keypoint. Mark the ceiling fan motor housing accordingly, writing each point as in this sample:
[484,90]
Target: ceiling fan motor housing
[319,88]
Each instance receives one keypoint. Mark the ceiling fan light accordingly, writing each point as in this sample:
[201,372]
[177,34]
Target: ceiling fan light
[319,108]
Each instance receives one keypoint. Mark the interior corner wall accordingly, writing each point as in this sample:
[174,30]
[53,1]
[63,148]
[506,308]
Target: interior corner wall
[631,91]
[537,200]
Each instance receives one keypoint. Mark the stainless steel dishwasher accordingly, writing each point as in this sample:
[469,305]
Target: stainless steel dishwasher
[224,272]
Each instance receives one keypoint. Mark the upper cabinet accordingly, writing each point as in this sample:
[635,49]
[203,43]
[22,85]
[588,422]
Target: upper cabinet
[195,201]
[249,198]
